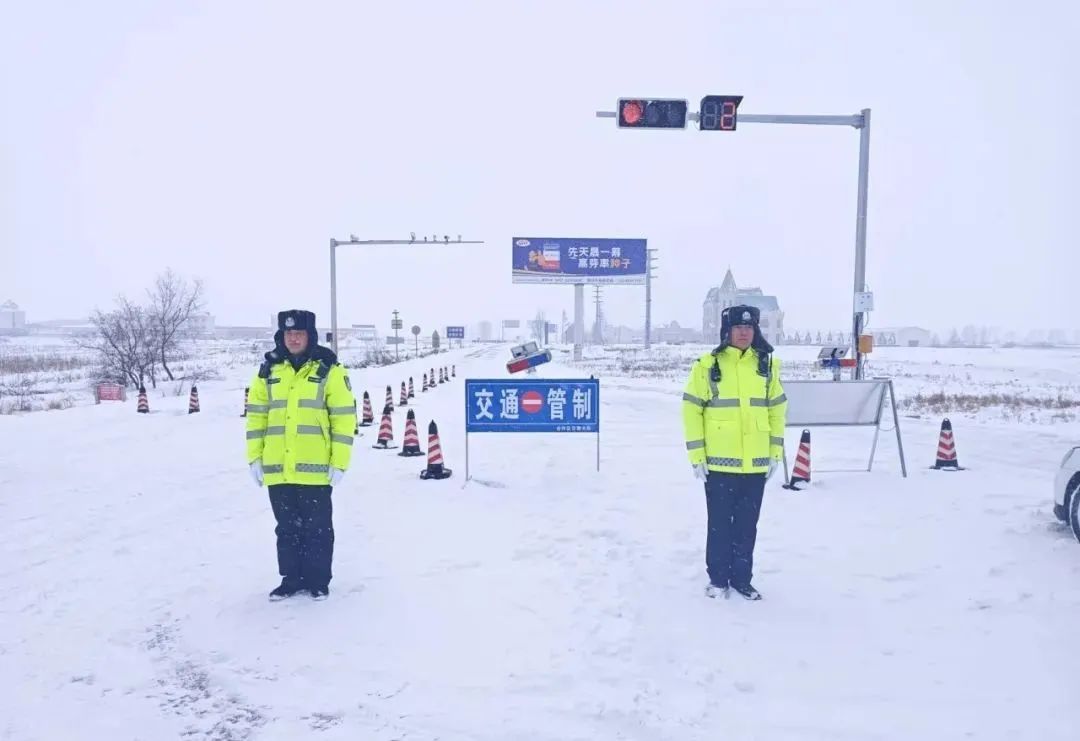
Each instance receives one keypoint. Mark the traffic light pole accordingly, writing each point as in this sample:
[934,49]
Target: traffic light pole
[859,121]
[335,243]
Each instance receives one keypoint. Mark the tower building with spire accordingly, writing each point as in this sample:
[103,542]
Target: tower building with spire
[728,293]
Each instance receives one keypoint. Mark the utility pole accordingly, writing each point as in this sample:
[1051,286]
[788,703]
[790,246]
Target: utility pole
[648,298]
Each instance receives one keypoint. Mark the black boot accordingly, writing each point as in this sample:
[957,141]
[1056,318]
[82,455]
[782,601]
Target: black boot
[284,590]
[320,593]
[747,591]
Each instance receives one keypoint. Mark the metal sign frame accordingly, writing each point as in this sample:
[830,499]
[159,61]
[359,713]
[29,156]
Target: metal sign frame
[522,428]
[886,386]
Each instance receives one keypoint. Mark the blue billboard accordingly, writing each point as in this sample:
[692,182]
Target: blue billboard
[571,260]
[548,405]
[455,333]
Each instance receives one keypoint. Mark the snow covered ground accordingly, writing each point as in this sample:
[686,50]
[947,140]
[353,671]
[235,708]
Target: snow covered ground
[544,599]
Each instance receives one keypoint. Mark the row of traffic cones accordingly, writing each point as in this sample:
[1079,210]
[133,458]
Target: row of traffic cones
[444,377]
[947,459]
[436,469]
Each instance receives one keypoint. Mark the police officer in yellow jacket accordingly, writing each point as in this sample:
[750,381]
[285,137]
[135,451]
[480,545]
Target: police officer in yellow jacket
[734,411]
[301,416]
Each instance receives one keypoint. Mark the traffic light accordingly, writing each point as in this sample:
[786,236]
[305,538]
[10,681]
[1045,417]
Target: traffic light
[719,112]
[651,113]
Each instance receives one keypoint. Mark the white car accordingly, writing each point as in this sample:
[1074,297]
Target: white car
[1067,491]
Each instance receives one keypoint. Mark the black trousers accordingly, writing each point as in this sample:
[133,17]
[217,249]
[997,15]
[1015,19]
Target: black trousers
[305,533]
[734,505]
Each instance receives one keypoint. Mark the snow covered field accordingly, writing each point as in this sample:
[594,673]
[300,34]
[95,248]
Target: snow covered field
[544,599]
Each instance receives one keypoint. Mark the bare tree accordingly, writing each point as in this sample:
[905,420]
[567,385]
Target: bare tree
[173,302]
[126,343]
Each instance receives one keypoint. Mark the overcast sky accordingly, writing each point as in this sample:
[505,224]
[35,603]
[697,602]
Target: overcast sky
[232,140]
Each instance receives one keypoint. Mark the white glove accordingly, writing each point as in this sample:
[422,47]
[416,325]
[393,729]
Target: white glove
[336,474]
[773,465]
[701,471]
[257,473]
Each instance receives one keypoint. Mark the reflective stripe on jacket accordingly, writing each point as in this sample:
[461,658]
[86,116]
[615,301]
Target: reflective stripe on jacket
[737,424]
[300,424]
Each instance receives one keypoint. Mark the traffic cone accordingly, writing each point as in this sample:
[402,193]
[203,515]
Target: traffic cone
[435,468]
[453,371]
[386,431]
[144,406]
[946,449]
[411,445]
[432,382]
[246,390]
[389,399]
[369,416]
[801,472]
[411,394]
[442,379]
[193,401]
[404,402]
[423,386]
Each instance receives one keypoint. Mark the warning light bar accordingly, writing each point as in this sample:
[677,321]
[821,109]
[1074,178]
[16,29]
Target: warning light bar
[529,361]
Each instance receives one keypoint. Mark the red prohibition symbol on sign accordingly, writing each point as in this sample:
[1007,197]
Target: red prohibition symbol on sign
[532,402]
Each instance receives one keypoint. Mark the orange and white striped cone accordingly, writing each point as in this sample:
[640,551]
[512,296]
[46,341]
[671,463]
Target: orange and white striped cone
[369,416]
[946,449]
[801,473]
[435,468]
[247,389]
[386,432]
[432,378]
[144,405]
[404,400]
[410,446]
[423,386]
[442,376]
[389,399]
[411,394]
[193,400]
[453,371]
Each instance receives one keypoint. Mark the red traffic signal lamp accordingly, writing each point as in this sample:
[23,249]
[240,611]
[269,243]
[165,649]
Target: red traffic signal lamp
[651,113]
[719,112]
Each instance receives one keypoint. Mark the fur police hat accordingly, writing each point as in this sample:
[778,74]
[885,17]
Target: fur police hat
[296,319]
[743,315]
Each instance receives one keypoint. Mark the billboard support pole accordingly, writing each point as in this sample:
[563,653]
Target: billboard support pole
[579,319]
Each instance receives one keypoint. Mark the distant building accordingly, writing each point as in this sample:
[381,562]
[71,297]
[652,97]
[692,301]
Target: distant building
[12,319]
[729,294]
[674,334]
[486,332]
[201,325]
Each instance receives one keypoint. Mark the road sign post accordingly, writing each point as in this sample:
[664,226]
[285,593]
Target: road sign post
[416,338]
[456,333]
[562,405]
[720,113]
[396,324]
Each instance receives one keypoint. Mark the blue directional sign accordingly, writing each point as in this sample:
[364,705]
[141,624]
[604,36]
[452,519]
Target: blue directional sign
[455,333]
[543,405]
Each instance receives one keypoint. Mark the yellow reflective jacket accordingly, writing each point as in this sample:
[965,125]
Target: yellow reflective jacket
[734,424]
[300,423]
